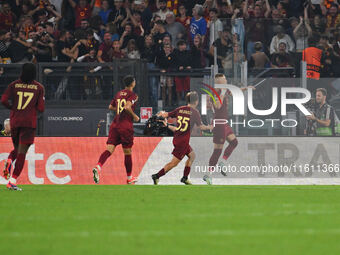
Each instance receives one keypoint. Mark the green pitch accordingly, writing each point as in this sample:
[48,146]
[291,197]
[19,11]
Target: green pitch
[170,220]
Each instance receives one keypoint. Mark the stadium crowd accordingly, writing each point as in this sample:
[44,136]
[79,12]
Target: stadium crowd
[172,35]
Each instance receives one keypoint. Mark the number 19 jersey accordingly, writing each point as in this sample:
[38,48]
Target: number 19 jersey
[123,119]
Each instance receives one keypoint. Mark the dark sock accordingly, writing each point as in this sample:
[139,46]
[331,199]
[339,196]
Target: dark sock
[214,157]
[105,155]
[232,145]
[13,155]
[128,164]
[186,171]
[161,173]
[19,165]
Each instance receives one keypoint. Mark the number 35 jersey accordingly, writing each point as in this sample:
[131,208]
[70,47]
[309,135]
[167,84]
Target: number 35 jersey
[123,119]
[187,117]
[26,100]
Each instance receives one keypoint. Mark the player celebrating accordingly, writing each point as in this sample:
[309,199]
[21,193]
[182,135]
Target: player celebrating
[13,154]
[187,116]
[121,129]
[221,132]
[24,97]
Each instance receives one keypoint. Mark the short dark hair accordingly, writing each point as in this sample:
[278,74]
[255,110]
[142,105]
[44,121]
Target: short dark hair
[181,42]
[28,73]
[128,80]
[213,10]
[191,97]
[322,90]
[219,75]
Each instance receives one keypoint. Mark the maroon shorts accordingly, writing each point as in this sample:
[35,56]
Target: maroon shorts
[22,135]
[180,151]
[120,136]
[221,132]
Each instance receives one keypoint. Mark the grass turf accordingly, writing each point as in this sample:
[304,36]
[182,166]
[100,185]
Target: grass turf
[170,220]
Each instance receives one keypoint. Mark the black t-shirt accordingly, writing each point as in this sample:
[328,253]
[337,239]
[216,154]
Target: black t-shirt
[44,53]
[60,45]
[17,51]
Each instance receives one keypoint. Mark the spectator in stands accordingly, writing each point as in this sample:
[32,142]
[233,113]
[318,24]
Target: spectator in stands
[198,25]
[281,36]
[182,16]
[333,17]
[197,53]
[105,51]
[182,62]
[165,61]
[128,35]
[7,17]
[207,6]
[238,29]
[224,48]
[282,58]
[302,32]
[82,10]
[149,54]
[318,25]
[131,50]
[255,25]
[91,83]
[136,19]
[44,50]
[20,50]
[214,25]
[118,14]
[117,52]
[5,57]
[63,46]
[84,24]
[259,59]
[174,28]
[163,10]
[158,32]
[105,11]
[146,14]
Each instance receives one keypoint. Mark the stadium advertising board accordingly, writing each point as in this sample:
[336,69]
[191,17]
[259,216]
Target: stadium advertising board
[257,160]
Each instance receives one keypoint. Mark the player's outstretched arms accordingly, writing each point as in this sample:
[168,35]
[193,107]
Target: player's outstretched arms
[128,108]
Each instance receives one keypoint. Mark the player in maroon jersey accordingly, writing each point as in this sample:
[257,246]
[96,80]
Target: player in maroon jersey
[221,132]
[121,129]
[187,117]
[24,97]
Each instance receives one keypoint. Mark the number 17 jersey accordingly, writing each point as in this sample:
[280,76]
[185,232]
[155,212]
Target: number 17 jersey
[26,100]
[123,119]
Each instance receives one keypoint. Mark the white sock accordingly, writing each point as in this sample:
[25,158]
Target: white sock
[12,180]
[129,177]
[99,168]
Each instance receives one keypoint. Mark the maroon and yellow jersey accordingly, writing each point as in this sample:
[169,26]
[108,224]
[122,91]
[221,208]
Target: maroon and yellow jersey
[26,100]
[187,117]
[123,119]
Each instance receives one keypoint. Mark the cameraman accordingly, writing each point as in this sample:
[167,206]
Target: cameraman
[323,116]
